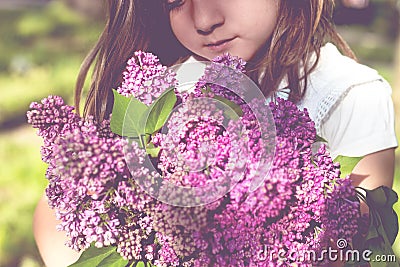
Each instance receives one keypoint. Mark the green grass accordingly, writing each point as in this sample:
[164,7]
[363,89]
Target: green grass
[21,185]
[42,50]
[396,187]
[18,91]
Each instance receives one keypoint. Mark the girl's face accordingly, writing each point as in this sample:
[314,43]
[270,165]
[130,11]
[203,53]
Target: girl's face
[210,28]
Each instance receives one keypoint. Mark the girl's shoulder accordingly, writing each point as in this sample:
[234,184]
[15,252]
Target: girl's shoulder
[350,104]
[333,79]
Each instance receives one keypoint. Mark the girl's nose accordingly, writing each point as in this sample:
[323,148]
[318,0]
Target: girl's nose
[206,16]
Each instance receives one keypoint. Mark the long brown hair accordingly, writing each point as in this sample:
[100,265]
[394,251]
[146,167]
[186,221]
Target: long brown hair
[303,26]
[130,25]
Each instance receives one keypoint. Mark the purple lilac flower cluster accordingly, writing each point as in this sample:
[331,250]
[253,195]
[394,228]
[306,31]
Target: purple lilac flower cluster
[90,186]
[145,78]
[197,152]
[191,139]
[293,201]
[301,206]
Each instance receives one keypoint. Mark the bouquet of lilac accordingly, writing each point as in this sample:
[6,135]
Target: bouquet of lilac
[205,177]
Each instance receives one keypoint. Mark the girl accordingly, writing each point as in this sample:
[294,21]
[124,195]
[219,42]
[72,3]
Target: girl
[292,50]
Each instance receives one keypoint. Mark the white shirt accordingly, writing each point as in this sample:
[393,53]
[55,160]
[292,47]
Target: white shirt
[350,103]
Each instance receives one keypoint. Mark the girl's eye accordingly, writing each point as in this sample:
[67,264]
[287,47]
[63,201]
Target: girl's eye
[173,4]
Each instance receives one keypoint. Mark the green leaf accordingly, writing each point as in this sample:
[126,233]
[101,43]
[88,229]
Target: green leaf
[141,139]
[238,112]
[379,250]
[140,264]
[320,139]
[158,113]
[152,150]
[383,227]
[347,164]
[113,260]
[126,116]
[381,201]
[93,256]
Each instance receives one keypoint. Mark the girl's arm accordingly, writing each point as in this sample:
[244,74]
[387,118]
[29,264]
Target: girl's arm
[363,124]
[375,169]
[50,242]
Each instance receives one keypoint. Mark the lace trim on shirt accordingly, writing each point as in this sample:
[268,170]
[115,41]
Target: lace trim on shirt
[331,101]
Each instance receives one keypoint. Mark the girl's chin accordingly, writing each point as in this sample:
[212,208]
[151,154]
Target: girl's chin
[201,58]
[211,57]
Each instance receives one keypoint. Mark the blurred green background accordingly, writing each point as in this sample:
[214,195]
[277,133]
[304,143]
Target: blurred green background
[41,48]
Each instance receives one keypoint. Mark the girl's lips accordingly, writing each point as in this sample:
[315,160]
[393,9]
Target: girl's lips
[221,45]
